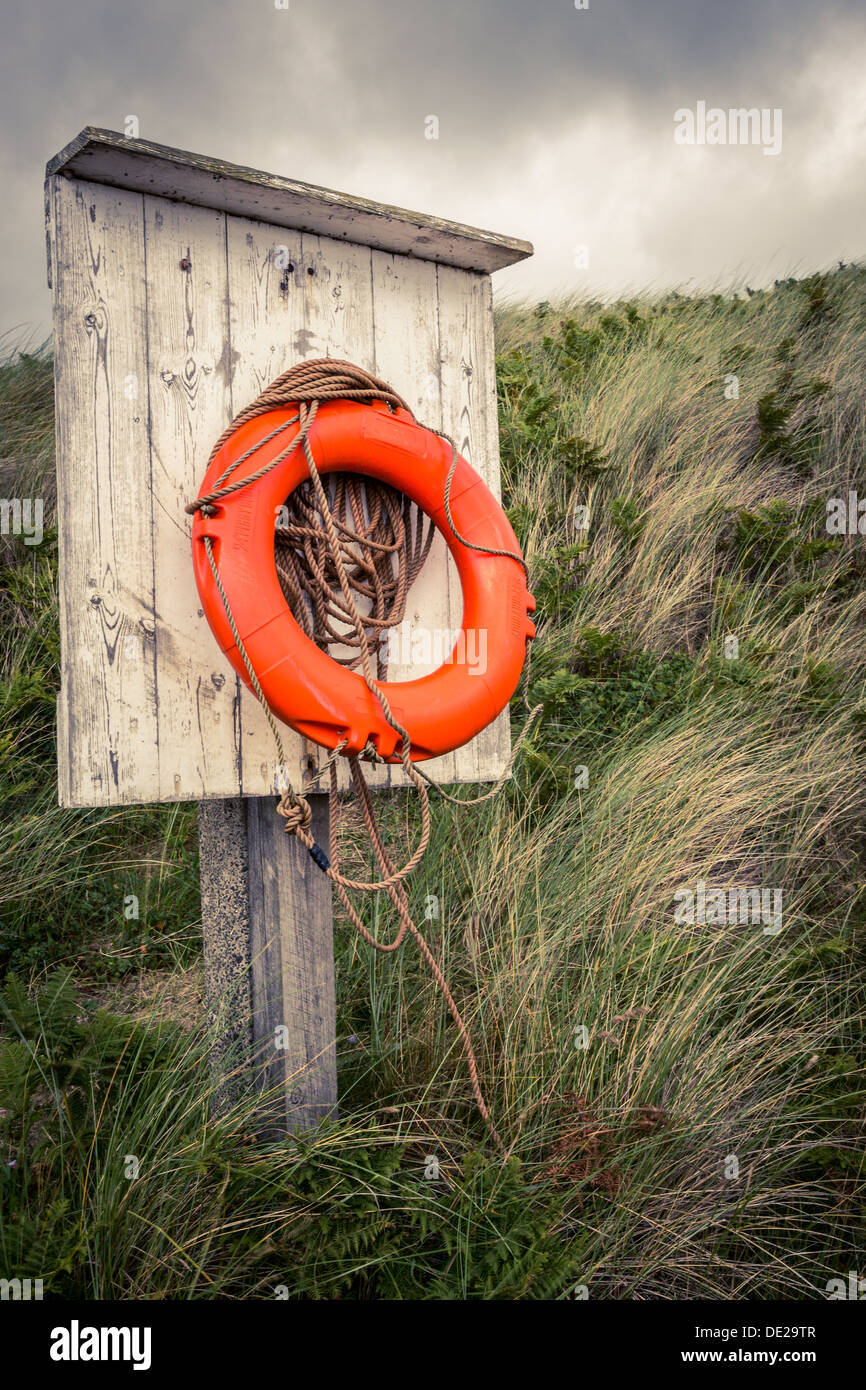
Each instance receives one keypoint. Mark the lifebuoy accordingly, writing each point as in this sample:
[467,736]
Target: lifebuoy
[302,684]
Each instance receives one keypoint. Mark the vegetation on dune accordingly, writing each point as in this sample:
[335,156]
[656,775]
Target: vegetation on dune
[683,1102]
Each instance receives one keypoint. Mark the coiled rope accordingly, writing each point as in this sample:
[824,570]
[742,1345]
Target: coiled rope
[328,549]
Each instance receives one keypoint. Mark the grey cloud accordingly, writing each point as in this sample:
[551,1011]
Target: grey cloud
[337,92]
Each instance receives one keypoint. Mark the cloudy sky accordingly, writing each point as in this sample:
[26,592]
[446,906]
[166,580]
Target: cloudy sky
[554,124]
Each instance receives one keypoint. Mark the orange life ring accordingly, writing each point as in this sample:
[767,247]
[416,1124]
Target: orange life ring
[302,684]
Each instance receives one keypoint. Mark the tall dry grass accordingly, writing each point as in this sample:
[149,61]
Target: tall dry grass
[683,1101]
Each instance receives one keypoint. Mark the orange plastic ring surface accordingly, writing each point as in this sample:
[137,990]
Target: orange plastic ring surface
[302,684]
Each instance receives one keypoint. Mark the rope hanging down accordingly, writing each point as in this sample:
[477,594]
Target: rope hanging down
[329,548]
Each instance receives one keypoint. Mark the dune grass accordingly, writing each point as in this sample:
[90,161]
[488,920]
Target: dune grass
[682,1101]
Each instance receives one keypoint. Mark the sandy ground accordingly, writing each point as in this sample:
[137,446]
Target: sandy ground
[158,994]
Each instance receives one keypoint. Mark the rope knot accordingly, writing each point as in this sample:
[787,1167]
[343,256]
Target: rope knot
[295,811]
[370,753]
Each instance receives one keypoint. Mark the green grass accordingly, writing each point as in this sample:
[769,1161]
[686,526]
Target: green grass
[713,1050]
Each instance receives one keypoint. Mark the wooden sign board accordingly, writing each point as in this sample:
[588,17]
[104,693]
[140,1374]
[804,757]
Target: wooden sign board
[182,287]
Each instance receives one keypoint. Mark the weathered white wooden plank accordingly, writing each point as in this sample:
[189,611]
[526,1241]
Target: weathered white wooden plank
[104,156]
[338,300]
[336,280]
[405,307]
[268,334]
[469,369]
[107,706]
[469,415]
[197,691]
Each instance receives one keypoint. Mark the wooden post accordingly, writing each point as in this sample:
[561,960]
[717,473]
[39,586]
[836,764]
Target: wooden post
[182,286]
[269,961]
